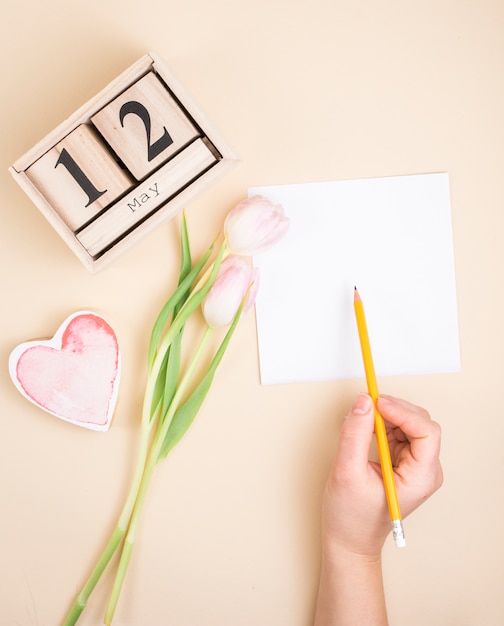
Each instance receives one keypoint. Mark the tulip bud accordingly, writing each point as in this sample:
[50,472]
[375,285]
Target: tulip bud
[254,225]
[234,278]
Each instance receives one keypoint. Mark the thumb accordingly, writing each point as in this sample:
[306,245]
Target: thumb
[357,432]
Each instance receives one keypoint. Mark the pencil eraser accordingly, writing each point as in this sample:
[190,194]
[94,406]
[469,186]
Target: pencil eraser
[398,533]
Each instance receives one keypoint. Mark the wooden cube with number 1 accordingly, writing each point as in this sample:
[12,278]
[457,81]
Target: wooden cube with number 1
[79,176]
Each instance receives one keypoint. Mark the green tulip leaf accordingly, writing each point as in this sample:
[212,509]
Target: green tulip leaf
[173,305]
[185,415]
[167,380]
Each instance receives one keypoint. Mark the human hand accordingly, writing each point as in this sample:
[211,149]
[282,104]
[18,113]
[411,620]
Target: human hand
[355,513]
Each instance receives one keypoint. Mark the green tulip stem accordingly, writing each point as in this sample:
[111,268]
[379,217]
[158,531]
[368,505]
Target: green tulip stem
[151,417]
[146,478]
[204,277]
[116,537]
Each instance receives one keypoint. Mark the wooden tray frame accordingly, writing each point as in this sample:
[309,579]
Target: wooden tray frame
[226,158]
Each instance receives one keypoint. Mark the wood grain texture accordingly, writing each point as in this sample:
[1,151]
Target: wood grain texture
[145,126]
[71,198]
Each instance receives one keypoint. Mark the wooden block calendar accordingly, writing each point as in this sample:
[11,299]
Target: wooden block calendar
[128,160]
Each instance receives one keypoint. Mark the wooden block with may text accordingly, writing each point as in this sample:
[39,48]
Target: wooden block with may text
[128,160]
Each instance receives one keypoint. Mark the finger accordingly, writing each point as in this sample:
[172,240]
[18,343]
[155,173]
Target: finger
[357,433]
[415,422]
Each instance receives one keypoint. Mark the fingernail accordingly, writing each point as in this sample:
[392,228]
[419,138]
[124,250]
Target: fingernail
[362,404]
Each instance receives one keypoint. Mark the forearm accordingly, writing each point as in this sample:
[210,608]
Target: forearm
[350,591]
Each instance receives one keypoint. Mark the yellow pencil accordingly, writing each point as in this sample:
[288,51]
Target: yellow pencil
[380,431]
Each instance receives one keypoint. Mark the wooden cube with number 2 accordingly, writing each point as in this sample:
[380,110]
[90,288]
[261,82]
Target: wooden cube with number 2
[145,126]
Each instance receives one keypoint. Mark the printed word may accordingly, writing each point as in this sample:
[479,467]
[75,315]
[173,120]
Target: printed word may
[143,198]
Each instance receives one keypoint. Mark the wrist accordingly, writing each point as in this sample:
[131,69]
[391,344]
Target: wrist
[354,544]
[336,553]
[346,577]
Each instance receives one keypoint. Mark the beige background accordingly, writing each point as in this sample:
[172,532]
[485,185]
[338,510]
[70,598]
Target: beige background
[304,91]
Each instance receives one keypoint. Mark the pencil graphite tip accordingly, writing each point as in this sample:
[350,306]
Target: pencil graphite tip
[356,295]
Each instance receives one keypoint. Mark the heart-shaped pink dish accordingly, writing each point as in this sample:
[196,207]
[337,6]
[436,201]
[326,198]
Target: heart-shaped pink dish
[75,375]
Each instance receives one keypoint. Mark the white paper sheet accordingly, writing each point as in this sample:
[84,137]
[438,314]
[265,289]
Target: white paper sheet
[392,238]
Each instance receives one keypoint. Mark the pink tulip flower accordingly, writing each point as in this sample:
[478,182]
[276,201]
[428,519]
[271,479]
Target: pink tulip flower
[254,225]
[234,278]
